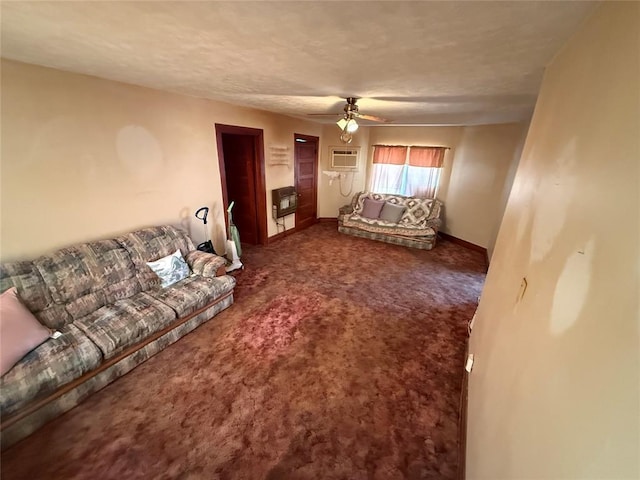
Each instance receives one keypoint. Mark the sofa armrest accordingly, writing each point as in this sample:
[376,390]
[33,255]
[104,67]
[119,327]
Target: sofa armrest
[206,264]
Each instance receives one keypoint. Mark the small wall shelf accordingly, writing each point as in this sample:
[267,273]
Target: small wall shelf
[279,155]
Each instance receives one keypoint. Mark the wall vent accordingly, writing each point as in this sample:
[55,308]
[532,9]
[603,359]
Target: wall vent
[344,158]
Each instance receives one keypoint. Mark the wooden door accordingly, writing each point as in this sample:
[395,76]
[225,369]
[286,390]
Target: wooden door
[245,160]
[306,178]
[239,156]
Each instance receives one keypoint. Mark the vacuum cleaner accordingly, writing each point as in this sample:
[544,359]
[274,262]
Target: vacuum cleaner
[234,250]
[207,246]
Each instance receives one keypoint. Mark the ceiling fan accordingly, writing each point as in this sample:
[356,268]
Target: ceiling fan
[348,123]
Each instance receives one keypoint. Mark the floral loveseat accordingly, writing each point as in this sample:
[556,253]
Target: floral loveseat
[112,314]
[417,227]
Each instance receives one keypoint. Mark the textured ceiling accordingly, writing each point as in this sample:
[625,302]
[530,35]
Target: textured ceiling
[412,62]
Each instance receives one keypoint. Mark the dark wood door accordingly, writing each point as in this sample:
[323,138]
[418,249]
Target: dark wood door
[306,174]
[239,159]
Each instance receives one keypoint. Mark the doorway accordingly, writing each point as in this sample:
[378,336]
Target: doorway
[241,161]
[306,178]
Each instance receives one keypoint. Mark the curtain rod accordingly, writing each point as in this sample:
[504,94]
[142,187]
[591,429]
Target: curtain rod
[410,146]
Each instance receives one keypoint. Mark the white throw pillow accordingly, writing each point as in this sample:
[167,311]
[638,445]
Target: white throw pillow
[170,269]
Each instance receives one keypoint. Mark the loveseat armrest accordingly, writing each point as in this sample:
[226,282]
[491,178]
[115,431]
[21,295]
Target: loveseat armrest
[206,264]
[345,210]
[434,223]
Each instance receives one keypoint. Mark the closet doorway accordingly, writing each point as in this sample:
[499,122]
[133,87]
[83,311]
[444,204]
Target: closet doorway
[241,161]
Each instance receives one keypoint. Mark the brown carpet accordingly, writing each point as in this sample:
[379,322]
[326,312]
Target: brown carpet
[341,359]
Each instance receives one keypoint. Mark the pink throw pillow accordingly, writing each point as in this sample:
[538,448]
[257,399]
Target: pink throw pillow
[20,331]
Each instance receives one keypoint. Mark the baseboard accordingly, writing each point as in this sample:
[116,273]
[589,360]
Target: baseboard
[465,244]
[281,235]
[462,422]
[289,231]
[276,237]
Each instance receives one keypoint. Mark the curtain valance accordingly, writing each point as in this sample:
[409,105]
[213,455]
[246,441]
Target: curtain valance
[432,157]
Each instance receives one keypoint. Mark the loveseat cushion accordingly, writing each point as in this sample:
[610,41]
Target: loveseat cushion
[193,293]
[381,226]
[54,363]
[419,211]
[126,322]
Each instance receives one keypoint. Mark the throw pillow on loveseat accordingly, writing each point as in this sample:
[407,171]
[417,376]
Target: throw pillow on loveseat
[417,225]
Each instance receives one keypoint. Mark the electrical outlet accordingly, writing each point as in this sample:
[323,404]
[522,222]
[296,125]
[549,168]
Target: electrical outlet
[468,366]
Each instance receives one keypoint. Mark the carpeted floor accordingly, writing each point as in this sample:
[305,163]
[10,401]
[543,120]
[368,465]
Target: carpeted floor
[341,359]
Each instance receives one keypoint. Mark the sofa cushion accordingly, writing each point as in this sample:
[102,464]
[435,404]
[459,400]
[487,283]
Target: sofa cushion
[150,244]
[126,322]
[73,279]
[33,292]
[54,363]
[117,270]
[193,293]
[391,213]
[20,331]
[85,277]
[371,208]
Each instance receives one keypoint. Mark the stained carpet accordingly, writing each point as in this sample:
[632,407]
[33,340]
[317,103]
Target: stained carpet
[341,359]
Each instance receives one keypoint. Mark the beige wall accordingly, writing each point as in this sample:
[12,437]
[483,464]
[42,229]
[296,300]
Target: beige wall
[554,393]
[341,191]
[475,172]
[86,158]
[506,188]
[479,175]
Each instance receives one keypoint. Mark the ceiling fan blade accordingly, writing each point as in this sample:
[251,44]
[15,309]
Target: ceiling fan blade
[372,118]
[324,114]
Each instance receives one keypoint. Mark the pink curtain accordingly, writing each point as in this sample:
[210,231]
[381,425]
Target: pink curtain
[431,157]
[418,176]
[389,155]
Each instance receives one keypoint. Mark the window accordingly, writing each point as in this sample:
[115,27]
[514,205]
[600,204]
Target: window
[411,171]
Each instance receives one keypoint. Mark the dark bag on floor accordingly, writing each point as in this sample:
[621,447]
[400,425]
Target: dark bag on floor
[207,247]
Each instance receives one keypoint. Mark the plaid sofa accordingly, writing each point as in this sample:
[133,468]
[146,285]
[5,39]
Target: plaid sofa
[112,313]
[417,228]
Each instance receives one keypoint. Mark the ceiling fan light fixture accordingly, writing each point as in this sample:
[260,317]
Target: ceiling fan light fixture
[351,126]
[347,125]
[346,137]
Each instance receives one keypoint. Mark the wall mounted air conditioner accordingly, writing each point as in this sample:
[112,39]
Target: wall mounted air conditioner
[344,158]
